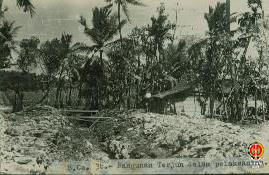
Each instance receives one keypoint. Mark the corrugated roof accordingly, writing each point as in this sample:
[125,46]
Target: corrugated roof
[176,90]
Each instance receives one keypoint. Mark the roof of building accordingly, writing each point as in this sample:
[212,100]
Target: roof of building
[181,88]
[184,88]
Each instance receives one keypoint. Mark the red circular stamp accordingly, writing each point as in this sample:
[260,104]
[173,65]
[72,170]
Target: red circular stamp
[256,150]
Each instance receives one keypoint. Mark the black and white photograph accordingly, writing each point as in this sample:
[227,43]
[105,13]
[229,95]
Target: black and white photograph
[134,86]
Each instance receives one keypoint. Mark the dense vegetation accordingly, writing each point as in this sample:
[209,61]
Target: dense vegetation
[117,73]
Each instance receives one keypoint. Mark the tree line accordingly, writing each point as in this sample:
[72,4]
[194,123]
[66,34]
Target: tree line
[117,73]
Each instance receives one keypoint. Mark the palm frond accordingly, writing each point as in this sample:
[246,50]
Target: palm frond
[95,35]
[27,6]
[15,30]
[2,36]
[216,18]
[125,10]
[66,40]
[109,6]
[8,31]
[117,43]
[266,24]
[83,21]
[109,1]
[2,11]
[105,25]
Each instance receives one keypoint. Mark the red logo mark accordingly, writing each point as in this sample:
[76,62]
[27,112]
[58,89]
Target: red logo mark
[256,150]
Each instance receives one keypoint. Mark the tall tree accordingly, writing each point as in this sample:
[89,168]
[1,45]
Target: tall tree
[160,32]
[250,31]
[216,19]
[123,5]
[19,83]
[6,26]
[104,28]
[208,56]
[58,58]
[27,54]
[71,63]
[217,24]
[50,60]
[228,12]
[8,33]
[25,5]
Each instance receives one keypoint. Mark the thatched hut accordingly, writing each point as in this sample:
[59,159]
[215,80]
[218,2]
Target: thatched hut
[165,102]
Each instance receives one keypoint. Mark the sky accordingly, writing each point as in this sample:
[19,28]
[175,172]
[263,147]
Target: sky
[53,17]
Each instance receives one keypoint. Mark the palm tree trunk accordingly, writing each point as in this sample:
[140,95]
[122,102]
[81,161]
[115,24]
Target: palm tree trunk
[101,84]
[57,95]
[59,86]
[101,60]
[228,5]
[211,104]
[126,98]
[119,21]
[18,105]
[70,94]
[79,93]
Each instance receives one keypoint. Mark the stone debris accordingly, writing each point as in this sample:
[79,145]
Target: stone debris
[173,136]
[32,139]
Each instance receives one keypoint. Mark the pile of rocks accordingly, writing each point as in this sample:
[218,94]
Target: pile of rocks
[172,136]
[26,137]
[33,139]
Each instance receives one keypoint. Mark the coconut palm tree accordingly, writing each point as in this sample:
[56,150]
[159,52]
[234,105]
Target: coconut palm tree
[25,5]
[7,43]
[228,12]
[160,31]
[208,59]
[8,30]
[57,58]
[71,61]
[105,27]
[216,19]
[123,4]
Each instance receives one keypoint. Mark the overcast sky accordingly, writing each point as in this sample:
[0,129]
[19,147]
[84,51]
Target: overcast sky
[53,17]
